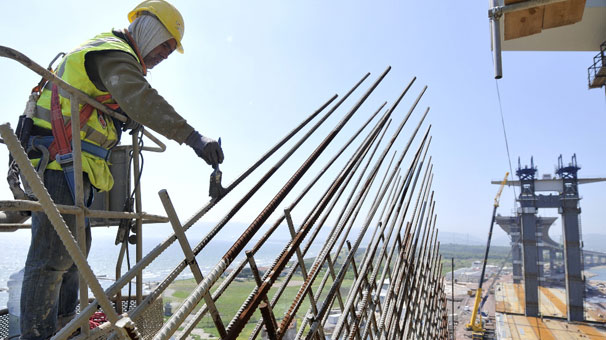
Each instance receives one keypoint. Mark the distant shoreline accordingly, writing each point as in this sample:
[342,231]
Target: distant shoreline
[589,274]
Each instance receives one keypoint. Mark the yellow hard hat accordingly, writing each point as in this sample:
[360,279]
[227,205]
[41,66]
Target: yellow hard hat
[168,15]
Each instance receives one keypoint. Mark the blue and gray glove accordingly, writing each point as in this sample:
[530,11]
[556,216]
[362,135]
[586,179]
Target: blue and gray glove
[206,148]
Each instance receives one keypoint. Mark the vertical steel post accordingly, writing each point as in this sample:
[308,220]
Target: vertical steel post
[573,254]
[79,199]
[119,262]
[269,320]
[452,309]
[496,38]
[138,210]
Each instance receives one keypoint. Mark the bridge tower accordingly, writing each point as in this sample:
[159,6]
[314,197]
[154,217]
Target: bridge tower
[528,234]
[527,229]
[570,210]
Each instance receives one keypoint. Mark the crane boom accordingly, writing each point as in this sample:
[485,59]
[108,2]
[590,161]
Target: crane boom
[474,325]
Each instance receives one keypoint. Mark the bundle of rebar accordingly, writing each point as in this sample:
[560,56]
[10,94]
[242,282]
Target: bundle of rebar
[383,282]
[397,288]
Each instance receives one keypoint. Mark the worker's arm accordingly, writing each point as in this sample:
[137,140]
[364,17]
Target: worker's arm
[120,74]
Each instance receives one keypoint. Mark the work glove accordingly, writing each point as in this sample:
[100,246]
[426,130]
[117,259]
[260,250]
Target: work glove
[130,125]
[206,148]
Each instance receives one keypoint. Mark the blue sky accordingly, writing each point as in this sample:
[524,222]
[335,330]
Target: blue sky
[252,70]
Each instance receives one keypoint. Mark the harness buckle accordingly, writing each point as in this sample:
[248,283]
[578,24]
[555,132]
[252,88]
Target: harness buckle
[67,164]
[65,160]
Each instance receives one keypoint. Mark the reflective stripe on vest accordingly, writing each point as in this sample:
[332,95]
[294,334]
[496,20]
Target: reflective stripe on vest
[99,129]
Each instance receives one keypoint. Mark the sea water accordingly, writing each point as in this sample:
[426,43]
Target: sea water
[600,273]
[104,254]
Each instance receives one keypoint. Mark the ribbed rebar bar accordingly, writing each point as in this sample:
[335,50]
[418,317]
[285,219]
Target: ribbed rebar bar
[414,264]
[290,314]
[356,285]
[419,165]
[202,289]
[219,226]
[403,262]
[335,190]
[386,269]
[156,251]
[191,324]
[339,230]
[412,305]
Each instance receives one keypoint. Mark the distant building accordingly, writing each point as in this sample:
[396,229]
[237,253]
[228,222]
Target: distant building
[472,274]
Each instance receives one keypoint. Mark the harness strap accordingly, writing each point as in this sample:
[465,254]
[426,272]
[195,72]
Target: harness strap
[62,145]
[46,141]
[60,149]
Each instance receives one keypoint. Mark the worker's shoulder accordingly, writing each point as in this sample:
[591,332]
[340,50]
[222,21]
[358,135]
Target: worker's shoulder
[109,59]
[113,46]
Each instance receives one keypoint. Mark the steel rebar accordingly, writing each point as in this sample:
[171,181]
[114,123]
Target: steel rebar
[203,288]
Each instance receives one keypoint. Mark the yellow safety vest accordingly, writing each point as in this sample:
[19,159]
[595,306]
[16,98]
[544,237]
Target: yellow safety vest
[99,129]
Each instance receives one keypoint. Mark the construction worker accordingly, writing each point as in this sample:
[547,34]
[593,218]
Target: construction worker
[111,67]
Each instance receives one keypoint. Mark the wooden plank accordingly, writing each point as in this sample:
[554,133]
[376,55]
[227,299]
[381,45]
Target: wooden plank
[510,299]
[503,327]
[500,297]
[555,300]
[546,307]
[533,20]
[524,328]
[523,23]
[541,330]
[563,13]
[530,328]
[513,328]
[560,329]
[519,290]
[591,332]
[594,312]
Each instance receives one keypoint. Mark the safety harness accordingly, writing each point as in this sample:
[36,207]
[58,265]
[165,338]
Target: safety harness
[59,145]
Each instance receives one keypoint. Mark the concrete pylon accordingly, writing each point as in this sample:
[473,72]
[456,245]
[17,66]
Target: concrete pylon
[569,198]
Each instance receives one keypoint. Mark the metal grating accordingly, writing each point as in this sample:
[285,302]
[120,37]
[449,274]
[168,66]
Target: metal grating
[4,323]
[148,322]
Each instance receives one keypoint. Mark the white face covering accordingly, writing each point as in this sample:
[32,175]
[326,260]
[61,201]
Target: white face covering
[148,33]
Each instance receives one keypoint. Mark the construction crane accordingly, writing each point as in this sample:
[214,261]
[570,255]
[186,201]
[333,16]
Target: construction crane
[476,325]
